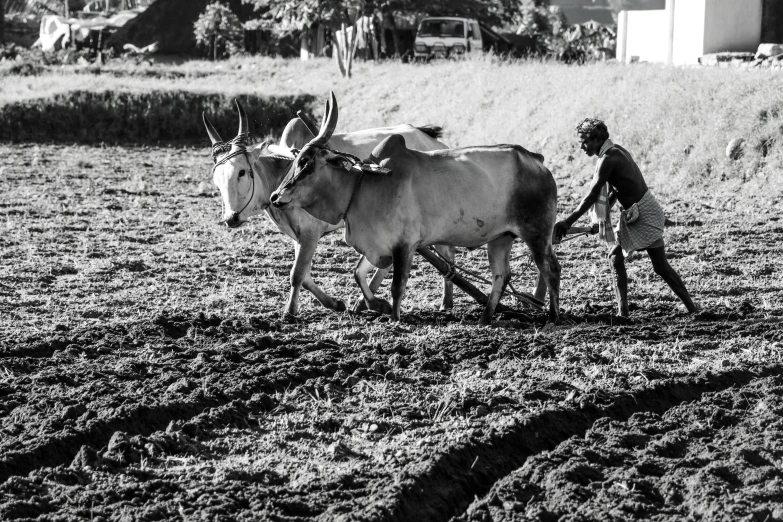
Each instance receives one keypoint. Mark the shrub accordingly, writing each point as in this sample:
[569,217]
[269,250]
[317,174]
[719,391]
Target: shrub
[141,117]
[219,29]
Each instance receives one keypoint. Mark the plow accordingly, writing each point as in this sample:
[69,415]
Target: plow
[464,278]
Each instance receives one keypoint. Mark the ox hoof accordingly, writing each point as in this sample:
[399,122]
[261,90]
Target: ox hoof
[289,318]
[382,306]
[339,306]
[446,306]
[360,306]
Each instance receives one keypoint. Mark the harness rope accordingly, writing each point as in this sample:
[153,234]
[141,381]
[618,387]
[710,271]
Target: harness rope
[354,161]
[353,194]
[220,147]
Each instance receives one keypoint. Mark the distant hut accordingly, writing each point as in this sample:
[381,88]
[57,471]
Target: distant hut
[170,23]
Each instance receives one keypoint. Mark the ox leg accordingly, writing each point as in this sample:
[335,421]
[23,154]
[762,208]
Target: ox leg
[548,269]
[447,302]
[403,259]
[540,292]
[300,276]
[375,284]
[360,273]
[499,253]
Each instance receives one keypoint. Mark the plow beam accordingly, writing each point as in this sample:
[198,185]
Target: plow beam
[467,287]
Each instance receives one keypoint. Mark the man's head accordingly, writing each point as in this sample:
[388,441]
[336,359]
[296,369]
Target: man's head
[592,134]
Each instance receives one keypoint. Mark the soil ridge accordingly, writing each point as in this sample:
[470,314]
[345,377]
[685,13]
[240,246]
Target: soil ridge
[444,487]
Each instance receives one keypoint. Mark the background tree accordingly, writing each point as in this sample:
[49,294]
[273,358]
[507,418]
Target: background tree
[218,29]
[2,22]
[287,16]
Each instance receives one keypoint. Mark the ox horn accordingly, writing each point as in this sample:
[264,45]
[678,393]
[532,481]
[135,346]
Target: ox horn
[213,134]
[329,123]
[244,128]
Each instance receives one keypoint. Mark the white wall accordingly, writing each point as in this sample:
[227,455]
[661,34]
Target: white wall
[732,26]
[700,27]
[689,18]
[645,36]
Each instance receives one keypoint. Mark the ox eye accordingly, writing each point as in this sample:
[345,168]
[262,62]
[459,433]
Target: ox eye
[241,173]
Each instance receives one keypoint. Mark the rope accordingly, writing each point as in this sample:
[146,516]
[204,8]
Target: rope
[353,194]
[218,148]
[221,147]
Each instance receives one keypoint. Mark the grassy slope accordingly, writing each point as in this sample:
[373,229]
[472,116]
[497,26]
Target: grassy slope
[654,111]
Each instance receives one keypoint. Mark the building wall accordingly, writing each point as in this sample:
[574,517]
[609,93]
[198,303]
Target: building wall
[732,26]
[645,36]
[700,27]
[689,26]
[772,22]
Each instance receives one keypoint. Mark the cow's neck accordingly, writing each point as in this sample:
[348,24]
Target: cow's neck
[271,171]
[348,192]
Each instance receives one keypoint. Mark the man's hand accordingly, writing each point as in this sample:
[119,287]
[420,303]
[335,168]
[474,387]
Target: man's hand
[561,229]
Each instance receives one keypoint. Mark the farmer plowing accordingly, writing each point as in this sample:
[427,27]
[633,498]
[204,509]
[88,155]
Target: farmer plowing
[618,178]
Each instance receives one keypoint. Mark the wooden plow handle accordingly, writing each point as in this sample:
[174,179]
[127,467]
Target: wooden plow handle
[573,231]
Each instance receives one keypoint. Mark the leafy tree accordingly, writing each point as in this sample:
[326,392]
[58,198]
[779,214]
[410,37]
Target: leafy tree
[286,16]
[536,17]
[296,13]
[218,29]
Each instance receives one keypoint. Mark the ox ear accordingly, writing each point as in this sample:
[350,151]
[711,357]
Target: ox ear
[262,147]
[336,160]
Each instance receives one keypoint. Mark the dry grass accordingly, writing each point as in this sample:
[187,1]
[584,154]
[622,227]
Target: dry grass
[677,122]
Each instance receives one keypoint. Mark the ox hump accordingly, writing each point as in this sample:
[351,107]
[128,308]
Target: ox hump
[296,134]
[392,145]
[522,150]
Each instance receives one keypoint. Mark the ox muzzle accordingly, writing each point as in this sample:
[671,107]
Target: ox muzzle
[233,221]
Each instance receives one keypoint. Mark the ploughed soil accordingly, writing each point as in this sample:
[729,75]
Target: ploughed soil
[146,373]
[717,458]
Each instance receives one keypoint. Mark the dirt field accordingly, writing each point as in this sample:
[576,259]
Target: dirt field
[145,373]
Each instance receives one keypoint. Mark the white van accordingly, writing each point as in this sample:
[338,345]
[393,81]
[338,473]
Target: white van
[446,36]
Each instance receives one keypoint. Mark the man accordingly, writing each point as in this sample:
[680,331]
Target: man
[617,177]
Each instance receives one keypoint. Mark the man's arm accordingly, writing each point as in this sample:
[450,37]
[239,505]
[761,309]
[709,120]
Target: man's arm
[599,180]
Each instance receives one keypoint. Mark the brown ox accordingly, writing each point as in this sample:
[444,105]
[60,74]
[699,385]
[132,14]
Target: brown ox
[246,178]
[404,199]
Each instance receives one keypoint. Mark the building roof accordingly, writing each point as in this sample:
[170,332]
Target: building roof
[170,23]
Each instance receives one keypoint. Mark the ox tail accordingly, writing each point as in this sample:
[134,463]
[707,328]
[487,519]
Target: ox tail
[433,131]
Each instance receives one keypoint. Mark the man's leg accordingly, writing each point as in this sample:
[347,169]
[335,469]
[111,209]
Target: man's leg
[672,278]
[619,279]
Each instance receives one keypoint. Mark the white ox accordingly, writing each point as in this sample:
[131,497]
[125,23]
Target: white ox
[410,199]
[246,179]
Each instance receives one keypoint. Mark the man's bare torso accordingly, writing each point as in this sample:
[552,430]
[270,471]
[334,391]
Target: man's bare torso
[624,176]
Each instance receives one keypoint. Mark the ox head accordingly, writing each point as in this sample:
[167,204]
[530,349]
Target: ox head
[234,175]
[320,179]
